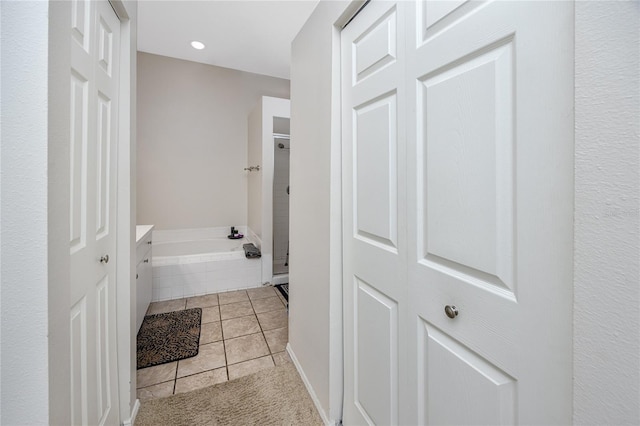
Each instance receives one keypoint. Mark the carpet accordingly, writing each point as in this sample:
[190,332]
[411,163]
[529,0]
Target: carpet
[284,289]
[168,337]
[275,396]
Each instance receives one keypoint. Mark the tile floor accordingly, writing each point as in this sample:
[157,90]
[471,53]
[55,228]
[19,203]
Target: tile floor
[242,332]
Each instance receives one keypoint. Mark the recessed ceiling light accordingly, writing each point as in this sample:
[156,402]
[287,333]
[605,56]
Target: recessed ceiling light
[197,45]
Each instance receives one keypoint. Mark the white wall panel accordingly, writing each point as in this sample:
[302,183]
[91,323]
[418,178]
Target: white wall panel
[466,168]
[376,47]
[481,392]
[376,350]
[375,172]
[78,148]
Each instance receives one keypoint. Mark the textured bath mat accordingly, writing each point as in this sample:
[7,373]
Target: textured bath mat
[284,289]
[168,337]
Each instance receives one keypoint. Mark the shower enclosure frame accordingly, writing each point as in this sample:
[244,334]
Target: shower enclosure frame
[268,109]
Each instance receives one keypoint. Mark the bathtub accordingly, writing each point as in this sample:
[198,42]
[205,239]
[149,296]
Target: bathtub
[193,262]
[195,250]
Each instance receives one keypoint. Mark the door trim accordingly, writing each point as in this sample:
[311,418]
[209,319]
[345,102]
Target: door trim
[271,107]
[125,218]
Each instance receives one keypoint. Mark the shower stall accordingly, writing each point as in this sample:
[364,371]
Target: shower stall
[267,172]
[281,197]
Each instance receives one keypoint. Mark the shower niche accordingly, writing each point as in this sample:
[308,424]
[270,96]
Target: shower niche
[268,187]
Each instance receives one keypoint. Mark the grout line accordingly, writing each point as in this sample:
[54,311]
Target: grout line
[223,340]
[263,335]
[252,359]
[224,346]
[241,316]
[145,387]
[175,378]
[199,372]
[231,303]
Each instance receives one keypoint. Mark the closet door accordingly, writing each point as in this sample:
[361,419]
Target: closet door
[490,150]
[374,191]
[94,73]
[457,185]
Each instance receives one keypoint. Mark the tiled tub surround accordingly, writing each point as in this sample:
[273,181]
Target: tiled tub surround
[192,262]
[242,333]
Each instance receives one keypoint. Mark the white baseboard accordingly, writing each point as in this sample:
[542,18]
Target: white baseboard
[134,414]
[312,393]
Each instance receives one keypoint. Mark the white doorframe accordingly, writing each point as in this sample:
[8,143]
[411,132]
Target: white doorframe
[125,244]
[336,355]
[271,107]
[126,315]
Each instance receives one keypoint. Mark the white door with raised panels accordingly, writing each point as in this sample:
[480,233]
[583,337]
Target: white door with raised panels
[374,200]
[458,204]
[95,45]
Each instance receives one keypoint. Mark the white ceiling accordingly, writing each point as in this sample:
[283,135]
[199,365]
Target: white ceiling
[253,36]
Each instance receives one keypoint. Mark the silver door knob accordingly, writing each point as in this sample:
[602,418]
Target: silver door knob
[104,259]
[451,311]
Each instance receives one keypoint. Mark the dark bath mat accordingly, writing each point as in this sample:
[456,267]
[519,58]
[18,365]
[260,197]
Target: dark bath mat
[168,337]
[284,289]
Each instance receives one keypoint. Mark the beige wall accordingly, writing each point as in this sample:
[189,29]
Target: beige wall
[315,274]
[254,179]
[192,141]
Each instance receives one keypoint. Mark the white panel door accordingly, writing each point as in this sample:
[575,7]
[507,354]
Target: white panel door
[374,231]
[95,47]
[476,325]
[490,168]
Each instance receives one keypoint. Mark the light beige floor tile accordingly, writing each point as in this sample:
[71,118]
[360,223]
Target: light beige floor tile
[157,374]
[277,339]
[273,319]
[210,356]
[282,299]
[242,326]
[202,301]
[265,305]
[261,293]
[201,380]
[249,367]
[166,306]
[233,297]
[210,314]
[156,391]
[210,332]
[245,348]
[281,358]
[236,310]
